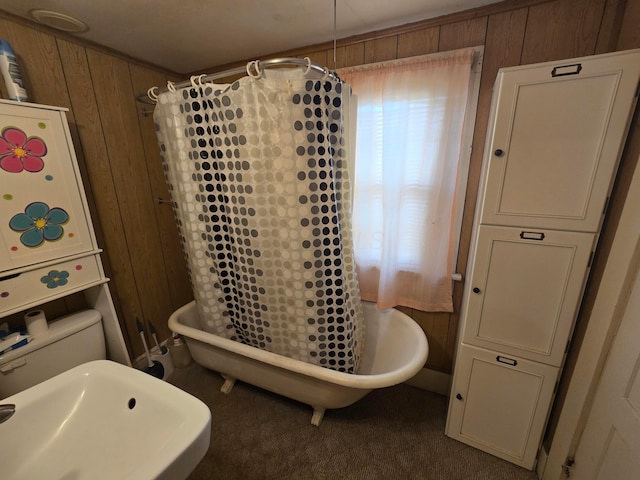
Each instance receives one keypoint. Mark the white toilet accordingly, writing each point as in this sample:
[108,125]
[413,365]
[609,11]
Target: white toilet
[70,341]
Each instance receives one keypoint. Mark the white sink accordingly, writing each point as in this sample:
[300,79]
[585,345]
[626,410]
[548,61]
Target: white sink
[103,420]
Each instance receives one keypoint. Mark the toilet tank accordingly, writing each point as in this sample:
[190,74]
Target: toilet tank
[71,340]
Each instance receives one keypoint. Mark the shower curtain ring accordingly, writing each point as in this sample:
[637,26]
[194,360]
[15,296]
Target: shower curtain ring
[326,73]
[151,93]
[196,80]
[308,66]
[256,65]
[171,87]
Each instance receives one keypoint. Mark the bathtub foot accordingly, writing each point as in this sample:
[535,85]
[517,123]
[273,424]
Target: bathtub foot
[318,415]
[227,385]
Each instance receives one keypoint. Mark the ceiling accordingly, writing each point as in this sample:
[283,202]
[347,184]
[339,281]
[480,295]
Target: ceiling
[191,35]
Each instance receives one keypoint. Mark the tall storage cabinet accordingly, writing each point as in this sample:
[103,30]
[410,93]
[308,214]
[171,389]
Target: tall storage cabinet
[555,138]
[47,244]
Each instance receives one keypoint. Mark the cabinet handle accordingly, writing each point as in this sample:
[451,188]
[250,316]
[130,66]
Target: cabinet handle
[532,236]
[565,70]
[499,152]
[507,360]
[458,396]
[9,277]
[476,290]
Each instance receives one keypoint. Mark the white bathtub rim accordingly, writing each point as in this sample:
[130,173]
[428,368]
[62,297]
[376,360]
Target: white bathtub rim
[378,380]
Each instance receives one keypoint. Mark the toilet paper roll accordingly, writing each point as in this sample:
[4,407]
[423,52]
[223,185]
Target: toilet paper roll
[36,323]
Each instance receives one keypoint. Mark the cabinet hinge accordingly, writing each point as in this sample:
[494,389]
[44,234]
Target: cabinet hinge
[590,259]
[566,466]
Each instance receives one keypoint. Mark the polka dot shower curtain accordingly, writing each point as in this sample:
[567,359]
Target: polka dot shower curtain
[259,181]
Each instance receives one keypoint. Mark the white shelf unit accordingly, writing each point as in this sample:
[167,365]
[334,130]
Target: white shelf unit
[48,245]
[555,137]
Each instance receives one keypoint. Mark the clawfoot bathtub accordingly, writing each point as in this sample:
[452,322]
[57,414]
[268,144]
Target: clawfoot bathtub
[395,350]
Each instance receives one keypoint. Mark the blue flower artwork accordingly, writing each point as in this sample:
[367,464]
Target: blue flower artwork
[55,278]
[39,223]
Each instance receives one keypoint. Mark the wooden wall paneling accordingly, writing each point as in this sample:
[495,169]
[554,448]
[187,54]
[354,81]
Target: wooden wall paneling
[436,327]
[228,80]
[350,55]
[505,38]
[629,36]
[73,62]
[53,309]
[381,49]
[466,33]
[40,64]
[562,29]
[320,57]
[610,26]
[503,47]
[75,302]
[78,83]
[341,57]
[107,220]
[119,117]
[421,42]
[176,269]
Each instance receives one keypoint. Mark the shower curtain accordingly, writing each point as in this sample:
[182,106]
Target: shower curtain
[258,176]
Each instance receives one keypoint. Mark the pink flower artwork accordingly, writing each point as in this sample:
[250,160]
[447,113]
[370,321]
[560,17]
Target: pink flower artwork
[19,152]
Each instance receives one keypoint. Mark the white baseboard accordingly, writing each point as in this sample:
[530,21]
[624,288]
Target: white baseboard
[431,380]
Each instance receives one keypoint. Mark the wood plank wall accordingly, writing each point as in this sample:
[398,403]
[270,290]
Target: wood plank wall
[116,146]
[514,32]
[120,166]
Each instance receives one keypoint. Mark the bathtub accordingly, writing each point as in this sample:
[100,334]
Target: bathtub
[395,350]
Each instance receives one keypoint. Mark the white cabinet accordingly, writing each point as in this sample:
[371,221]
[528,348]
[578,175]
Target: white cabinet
[555,137]
[47,245]
[526,286]
[42,208]
[555,141]
[499,403]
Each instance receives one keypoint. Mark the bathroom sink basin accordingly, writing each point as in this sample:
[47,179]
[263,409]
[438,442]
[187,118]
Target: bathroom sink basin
[103,420]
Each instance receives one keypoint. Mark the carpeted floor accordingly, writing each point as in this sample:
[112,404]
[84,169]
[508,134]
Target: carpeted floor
[393,433]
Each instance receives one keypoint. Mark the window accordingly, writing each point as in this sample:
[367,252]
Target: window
[412,153]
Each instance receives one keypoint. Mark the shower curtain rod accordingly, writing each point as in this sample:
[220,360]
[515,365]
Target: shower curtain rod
[256,64]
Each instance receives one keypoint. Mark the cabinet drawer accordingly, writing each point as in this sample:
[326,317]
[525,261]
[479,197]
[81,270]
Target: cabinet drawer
[43,213]
[554,142]
[500,403]
[34,287]
[524,290]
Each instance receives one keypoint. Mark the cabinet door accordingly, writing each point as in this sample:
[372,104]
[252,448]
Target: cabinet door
[556,137]
[500,403]
[524,290]
[42,207]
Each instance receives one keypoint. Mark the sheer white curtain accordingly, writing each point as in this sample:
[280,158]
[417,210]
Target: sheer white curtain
[409,133]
